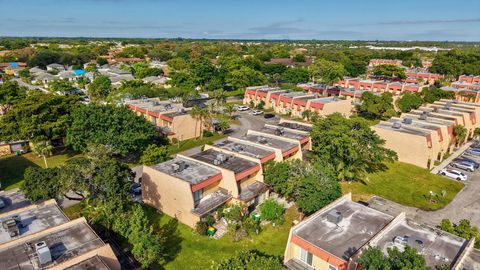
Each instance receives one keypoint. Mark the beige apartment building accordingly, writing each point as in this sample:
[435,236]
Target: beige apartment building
[425,135]
[335,236]
[412,145]
[193,187]
[172,119]
[295,103]
[40,236]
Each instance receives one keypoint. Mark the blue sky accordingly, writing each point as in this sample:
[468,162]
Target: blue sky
[261,19]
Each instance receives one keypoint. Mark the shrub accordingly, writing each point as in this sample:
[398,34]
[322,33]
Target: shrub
[272,211]
[251,226]
[201,227]
[234,213]
[207,133]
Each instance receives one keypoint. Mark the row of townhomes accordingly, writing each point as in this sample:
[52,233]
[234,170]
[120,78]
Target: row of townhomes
[380,86]
[294,103]
[425,135]
[172,119]
[190,187]
[334,237]
[40,236]
[466,88]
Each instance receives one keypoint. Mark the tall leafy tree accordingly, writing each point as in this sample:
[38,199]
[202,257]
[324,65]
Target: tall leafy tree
[409,101]
[349,147]
[38,117]
[460,134]
[10,94]
[376,107]
[389,71]
[154,154]
[99,88]
[374,259]
[118,127]
[245,76]
[296,75]
[326,71]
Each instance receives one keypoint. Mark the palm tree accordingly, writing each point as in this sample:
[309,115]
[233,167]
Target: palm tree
[229,109]
[223,124]
[460,134]
[220,97]
[43,149]
[195,114]
[206,116]
[307,114]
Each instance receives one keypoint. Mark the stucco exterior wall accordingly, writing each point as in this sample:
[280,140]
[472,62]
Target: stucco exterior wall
[410,148]
[169,195]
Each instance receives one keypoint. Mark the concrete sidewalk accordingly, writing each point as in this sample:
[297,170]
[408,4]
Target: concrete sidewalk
[453,156]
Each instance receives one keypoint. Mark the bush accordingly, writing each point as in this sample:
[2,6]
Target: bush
[207,133]
[201,227]
[234,213]
[251,226]
[272,211]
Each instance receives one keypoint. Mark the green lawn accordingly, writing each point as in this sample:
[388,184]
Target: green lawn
[198,252]
[12,167]
[406,184]
[191,143]
[189,250]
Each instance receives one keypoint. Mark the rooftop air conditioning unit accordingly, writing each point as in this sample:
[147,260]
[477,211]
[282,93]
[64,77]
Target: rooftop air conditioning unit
[221,157]
[334,216]
[407,121]
[423,116]
[175,167]
[435,109]
[279,131]
[237,148]
[262,140]
[397,125]
[43,252]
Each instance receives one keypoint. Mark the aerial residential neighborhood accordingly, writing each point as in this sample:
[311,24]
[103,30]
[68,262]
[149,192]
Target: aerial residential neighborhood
[299,135]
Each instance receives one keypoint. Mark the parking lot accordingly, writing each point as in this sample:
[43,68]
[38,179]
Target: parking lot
[466,204]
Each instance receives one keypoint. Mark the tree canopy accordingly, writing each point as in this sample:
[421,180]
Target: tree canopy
[154,154]
[349,147]
[99,88]
[326,71]
[117,127]
[38,117]
[409,101]
[310,186]
[10,94]
[376,106]
[389,71]
[373,259]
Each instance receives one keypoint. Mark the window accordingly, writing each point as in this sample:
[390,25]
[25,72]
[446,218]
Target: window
[306,256]
[198,195]
[331,267]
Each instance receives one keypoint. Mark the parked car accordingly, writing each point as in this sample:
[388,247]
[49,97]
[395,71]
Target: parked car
[2,203]
[454,174]
[137,189]
[473,151]
[242,108]
[257,112]
[460,164]
[268,115]
[475,164]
